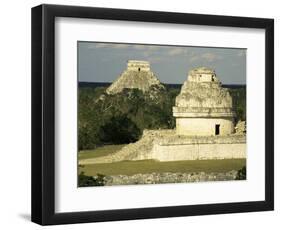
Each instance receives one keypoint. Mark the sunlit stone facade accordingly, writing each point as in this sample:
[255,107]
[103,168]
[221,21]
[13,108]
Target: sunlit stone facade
[203,107]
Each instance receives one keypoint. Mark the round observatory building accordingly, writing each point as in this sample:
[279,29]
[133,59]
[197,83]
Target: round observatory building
[203,107]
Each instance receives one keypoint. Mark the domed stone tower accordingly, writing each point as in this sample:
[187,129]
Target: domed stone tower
[203,107]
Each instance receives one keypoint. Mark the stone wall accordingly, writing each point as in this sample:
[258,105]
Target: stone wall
[166,145]
[198,151]
[135,65]
[175,148]
[204,126]
[202,74]
[161,178]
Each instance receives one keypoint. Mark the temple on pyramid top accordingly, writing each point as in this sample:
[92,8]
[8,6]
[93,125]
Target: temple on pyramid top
[138,75]
[136,65]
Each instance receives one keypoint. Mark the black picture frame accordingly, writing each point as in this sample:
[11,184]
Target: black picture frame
[43,114]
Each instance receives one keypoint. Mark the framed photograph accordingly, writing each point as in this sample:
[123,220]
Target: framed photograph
[142,114]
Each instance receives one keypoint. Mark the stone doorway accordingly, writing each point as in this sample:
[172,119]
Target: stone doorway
[217,131]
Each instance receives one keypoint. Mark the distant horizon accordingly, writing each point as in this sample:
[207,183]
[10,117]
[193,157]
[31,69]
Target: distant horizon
[93,85]
[104,62]
[107,82]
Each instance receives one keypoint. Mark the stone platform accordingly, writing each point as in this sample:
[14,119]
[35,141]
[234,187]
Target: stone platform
[166,145]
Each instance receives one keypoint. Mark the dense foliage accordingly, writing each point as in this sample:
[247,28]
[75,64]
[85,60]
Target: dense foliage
[119,129]
[242,173]
[239,102]
[84,181]
[121,118]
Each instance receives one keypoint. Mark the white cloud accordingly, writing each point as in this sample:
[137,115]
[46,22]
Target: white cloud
[146,47]
[209,57]
[156,59]
[107,45]
[119,46]
[175,51]
[97,45]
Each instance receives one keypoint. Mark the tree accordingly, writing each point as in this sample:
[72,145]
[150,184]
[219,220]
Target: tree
[241,174]
[119,130]
[121,118]
[85,181]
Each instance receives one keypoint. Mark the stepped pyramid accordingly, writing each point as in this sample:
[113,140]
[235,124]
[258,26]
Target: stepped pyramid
[137,76]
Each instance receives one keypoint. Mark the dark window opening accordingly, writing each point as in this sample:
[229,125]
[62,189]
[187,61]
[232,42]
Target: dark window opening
[217,129]
[139,69]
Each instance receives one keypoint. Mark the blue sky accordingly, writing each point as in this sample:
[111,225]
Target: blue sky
[104,62]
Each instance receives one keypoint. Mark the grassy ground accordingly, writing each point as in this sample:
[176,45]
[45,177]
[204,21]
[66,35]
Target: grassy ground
[99,152]
[149,166]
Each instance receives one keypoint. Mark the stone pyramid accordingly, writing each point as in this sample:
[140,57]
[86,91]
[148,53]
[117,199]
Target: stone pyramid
[137,76]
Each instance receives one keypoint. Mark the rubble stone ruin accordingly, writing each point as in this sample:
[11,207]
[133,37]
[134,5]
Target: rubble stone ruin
[203,107]
[204,120]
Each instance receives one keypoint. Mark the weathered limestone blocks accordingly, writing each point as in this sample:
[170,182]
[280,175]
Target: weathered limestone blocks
[203,107]
[240,127]
[200,126]
[161,178]
[166,145]
[139,150]
[199,151]
[136,65]
[138,75]
[177,148]
[204,121]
